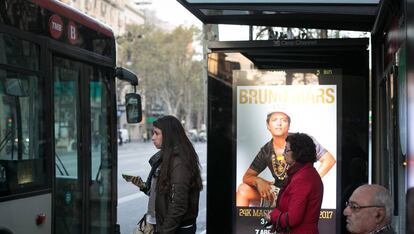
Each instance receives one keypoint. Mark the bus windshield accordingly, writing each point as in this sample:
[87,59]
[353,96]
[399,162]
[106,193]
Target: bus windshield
[21,123]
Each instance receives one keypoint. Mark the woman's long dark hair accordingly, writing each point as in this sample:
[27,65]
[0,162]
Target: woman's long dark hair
[175,143]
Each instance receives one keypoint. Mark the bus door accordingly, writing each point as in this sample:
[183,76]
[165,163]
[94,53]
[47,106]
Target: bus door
[83,197]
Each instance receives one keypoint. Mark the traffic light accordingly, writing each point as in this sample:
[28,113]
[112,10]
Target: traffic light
[9,122]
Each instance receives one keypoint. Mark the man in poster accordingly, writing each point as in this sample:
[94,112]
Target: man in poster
[256,189]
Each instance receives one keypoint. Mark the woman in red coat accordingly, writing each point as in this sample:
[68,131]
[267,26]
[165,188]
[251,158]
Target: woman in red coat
[300,199]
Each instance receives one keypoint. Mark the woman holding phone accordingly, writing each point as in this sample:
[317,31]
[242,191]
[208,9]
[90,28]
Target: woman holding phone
[174,183]
[179,182]
[147,224]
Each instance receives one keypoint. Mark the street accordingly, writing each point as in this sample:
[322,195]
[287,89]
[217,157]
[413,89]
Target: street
[132,204]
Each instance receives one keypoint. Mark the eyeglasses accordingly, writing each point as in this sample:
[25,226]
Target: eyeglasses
[286,150]
[355,207]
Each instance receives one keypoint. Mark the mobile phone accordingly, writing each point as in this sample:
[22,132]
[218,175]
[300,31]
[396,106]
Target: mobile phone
[134,179]
[128,178]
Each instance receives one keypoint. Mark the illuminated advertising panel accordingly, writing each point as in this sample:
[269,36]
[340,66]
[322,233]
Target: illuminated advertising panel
[293,95]
[288,1]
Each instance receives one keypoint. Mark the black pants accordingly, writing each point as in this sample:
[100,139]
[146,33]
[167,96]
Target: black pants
[188,230]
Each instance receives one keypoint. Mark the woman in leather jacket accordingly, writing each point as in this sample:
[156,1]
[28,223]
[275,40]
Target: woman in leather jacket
[179,182]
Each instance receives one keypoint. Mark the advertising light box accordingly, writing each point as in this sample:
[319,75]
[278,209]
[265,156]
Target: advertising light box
[287,1]
[271,104]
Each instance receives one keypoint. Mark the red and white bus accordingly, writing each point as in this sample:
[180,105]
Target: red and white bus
[58,144]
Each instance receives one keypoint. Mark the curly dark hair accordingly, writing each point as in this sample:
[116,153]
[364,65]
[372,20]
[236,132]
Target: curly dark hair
[303,148]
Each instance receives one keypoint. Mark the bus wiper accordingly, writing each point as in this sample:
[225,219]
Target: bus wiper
[98,173]
[63,166]
[6,138]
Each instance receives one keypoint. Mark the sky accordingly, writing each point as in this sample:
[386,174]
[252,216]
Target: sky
[174,13]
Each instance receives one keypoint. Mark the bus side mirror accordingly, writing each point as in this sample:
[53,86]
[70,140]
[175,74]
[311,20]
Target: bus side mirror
[133,108]
[126,75]
[132,100]
[16,87]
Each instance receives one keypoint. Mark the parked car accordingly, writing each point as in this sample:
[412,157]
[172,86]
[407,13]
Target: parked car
[123,134]
[202,136]
[195,136]
[192,135]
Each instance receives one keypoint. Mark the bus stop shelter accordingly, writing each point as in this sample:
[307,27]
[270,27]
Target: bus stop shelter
[357,15]
[382,18]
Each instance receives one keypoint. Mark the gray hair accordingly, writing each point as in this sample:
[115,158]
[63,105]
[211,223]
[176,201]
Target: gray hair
[383,197]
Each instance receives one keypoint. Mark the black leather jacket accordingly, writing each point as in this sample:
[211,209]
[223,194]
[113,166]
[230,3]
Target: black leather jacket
[179,207]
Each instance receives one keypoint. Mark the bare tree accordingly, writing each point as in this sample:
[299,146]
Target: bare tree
[169,75]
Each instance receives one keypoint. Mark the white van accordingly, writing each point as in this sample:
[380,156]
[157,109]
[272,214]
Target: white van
[124,134]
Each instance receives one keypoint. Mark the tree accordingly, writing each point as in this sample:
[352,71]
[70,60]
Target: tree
[169,76]
[280,33]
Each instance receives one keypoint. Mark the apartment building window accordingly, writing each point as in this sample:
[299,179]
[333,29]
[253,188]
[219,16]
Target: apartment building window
[87,4]
[103,8]
[119,20]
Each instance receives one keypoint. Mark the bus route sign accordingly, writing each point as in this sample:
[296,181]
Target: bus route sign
[55,26]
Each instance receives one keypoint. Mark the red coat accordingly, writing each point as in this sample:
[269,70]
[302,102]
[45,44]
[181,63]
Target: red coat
[301,199]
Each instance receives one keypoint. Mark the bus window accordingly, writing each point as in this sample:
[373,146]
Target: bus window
[99,100]
[66,75]
[68,196]
[19,53]
[22,129]
[101,155]
[21,135]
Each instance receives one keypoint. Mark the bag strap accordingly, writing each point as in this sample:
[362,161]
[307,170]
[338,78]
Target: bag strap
[277,226]
[287,223]
[142,222]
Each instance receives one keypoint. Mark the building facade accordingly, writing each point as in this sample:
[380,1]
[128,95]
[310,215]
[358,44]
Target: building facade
[115,13]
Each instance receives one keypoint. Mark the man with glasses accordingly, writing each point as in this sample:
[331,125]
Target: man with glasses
[369,210]
[271,155]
